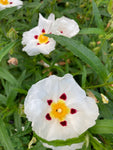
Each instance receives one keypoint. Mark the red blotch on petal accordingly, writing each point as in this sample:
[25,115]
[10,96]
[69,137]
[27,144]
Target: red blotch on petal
[43,30]
[49,101]
[38,43]
[63,96]
[63,123]
[36,36]
[61,31]
[50,33]
[73,111]
[11,2]
[48,117]
[47,42]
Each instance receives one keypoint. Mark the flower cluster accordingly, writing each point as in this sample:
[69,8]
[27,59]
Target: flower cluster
[35,40]
[10,3]
[59,109]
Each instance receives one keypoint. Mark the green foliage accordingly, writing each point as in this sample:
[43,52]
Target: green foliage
[88,57]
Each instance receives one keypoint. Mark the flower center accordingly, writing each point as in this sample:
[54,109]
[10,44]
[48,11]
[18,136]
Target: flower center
[43,39]
[59,110]
[4,2]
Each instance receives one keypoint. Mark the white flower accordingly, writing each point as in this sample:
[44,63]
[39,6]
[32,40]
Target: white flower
[71,147]
[10,3]
[59,109]
[35,40]
[65,26]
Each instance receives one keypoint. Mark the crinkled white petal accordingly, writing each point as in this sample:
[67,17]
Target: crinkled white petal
[65,26]
[17,3]
[71,147]
[33,49]
[45,23]
[51,17]
[52,88]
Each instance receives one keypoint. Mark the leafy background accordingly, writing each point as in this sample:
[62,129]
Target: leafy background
[87,56]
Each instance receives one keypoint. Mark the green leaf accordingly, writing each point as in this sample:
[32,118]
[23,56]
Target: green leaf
[84,54]
[4,74]
[110,7]
[91,31]
[4,137]
[6,12]
[6,49]
[63,142]
[103,127]
[97,16]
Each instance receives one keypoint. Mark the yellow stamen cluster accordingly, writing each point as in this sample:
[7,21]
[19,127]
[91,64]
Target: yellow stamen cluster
[59,110]
[43,39]
[4,2]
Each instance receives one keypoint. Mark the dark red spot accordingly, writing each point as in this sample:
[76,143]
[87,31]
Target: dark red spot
[38,43]
[11,2]
[36,36]
[61,31]
[43,30]
[47,42]
[49,101]
[63,96]
[48,117]
[73,111]
[63,123]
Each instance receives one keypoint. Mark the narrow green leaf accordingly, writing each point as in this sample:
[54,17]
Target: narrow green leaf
[97,16]
[91,31]
[63,142]
[110,7]
[4,74]
[84,54]
[6,12]
[4,137]
[103,127]
[6,49]
[2,99]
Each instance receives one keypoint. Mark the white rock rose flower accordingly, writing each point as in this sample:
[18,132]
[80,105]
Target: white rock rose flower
[59,109]
[65,26]
[10,3]
[35,40]
[71,147]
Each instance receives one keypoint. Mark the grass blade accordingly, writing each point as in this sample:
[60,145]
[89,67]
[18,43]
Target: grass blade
[4,137]
[6,49]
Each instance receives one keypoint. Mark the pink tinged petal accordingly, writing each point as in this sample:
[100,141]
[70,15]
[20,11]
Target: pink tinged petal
[36,36]
[49,101]
[43,30]
[63,96]
[73,111]
[50,33]
[63,123]
[48,117]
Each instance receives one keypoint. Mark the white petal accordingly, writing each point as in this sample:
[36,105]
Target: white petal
[45,23]
[71,147]
[33,49]
[68,27]
[51,17]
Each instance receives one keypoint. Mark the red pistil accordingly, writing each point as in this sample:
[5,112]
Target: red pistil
[36,36]
[48,117]
[63,96]
[63,123]
[73,111]
[43,30]
[49,101]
